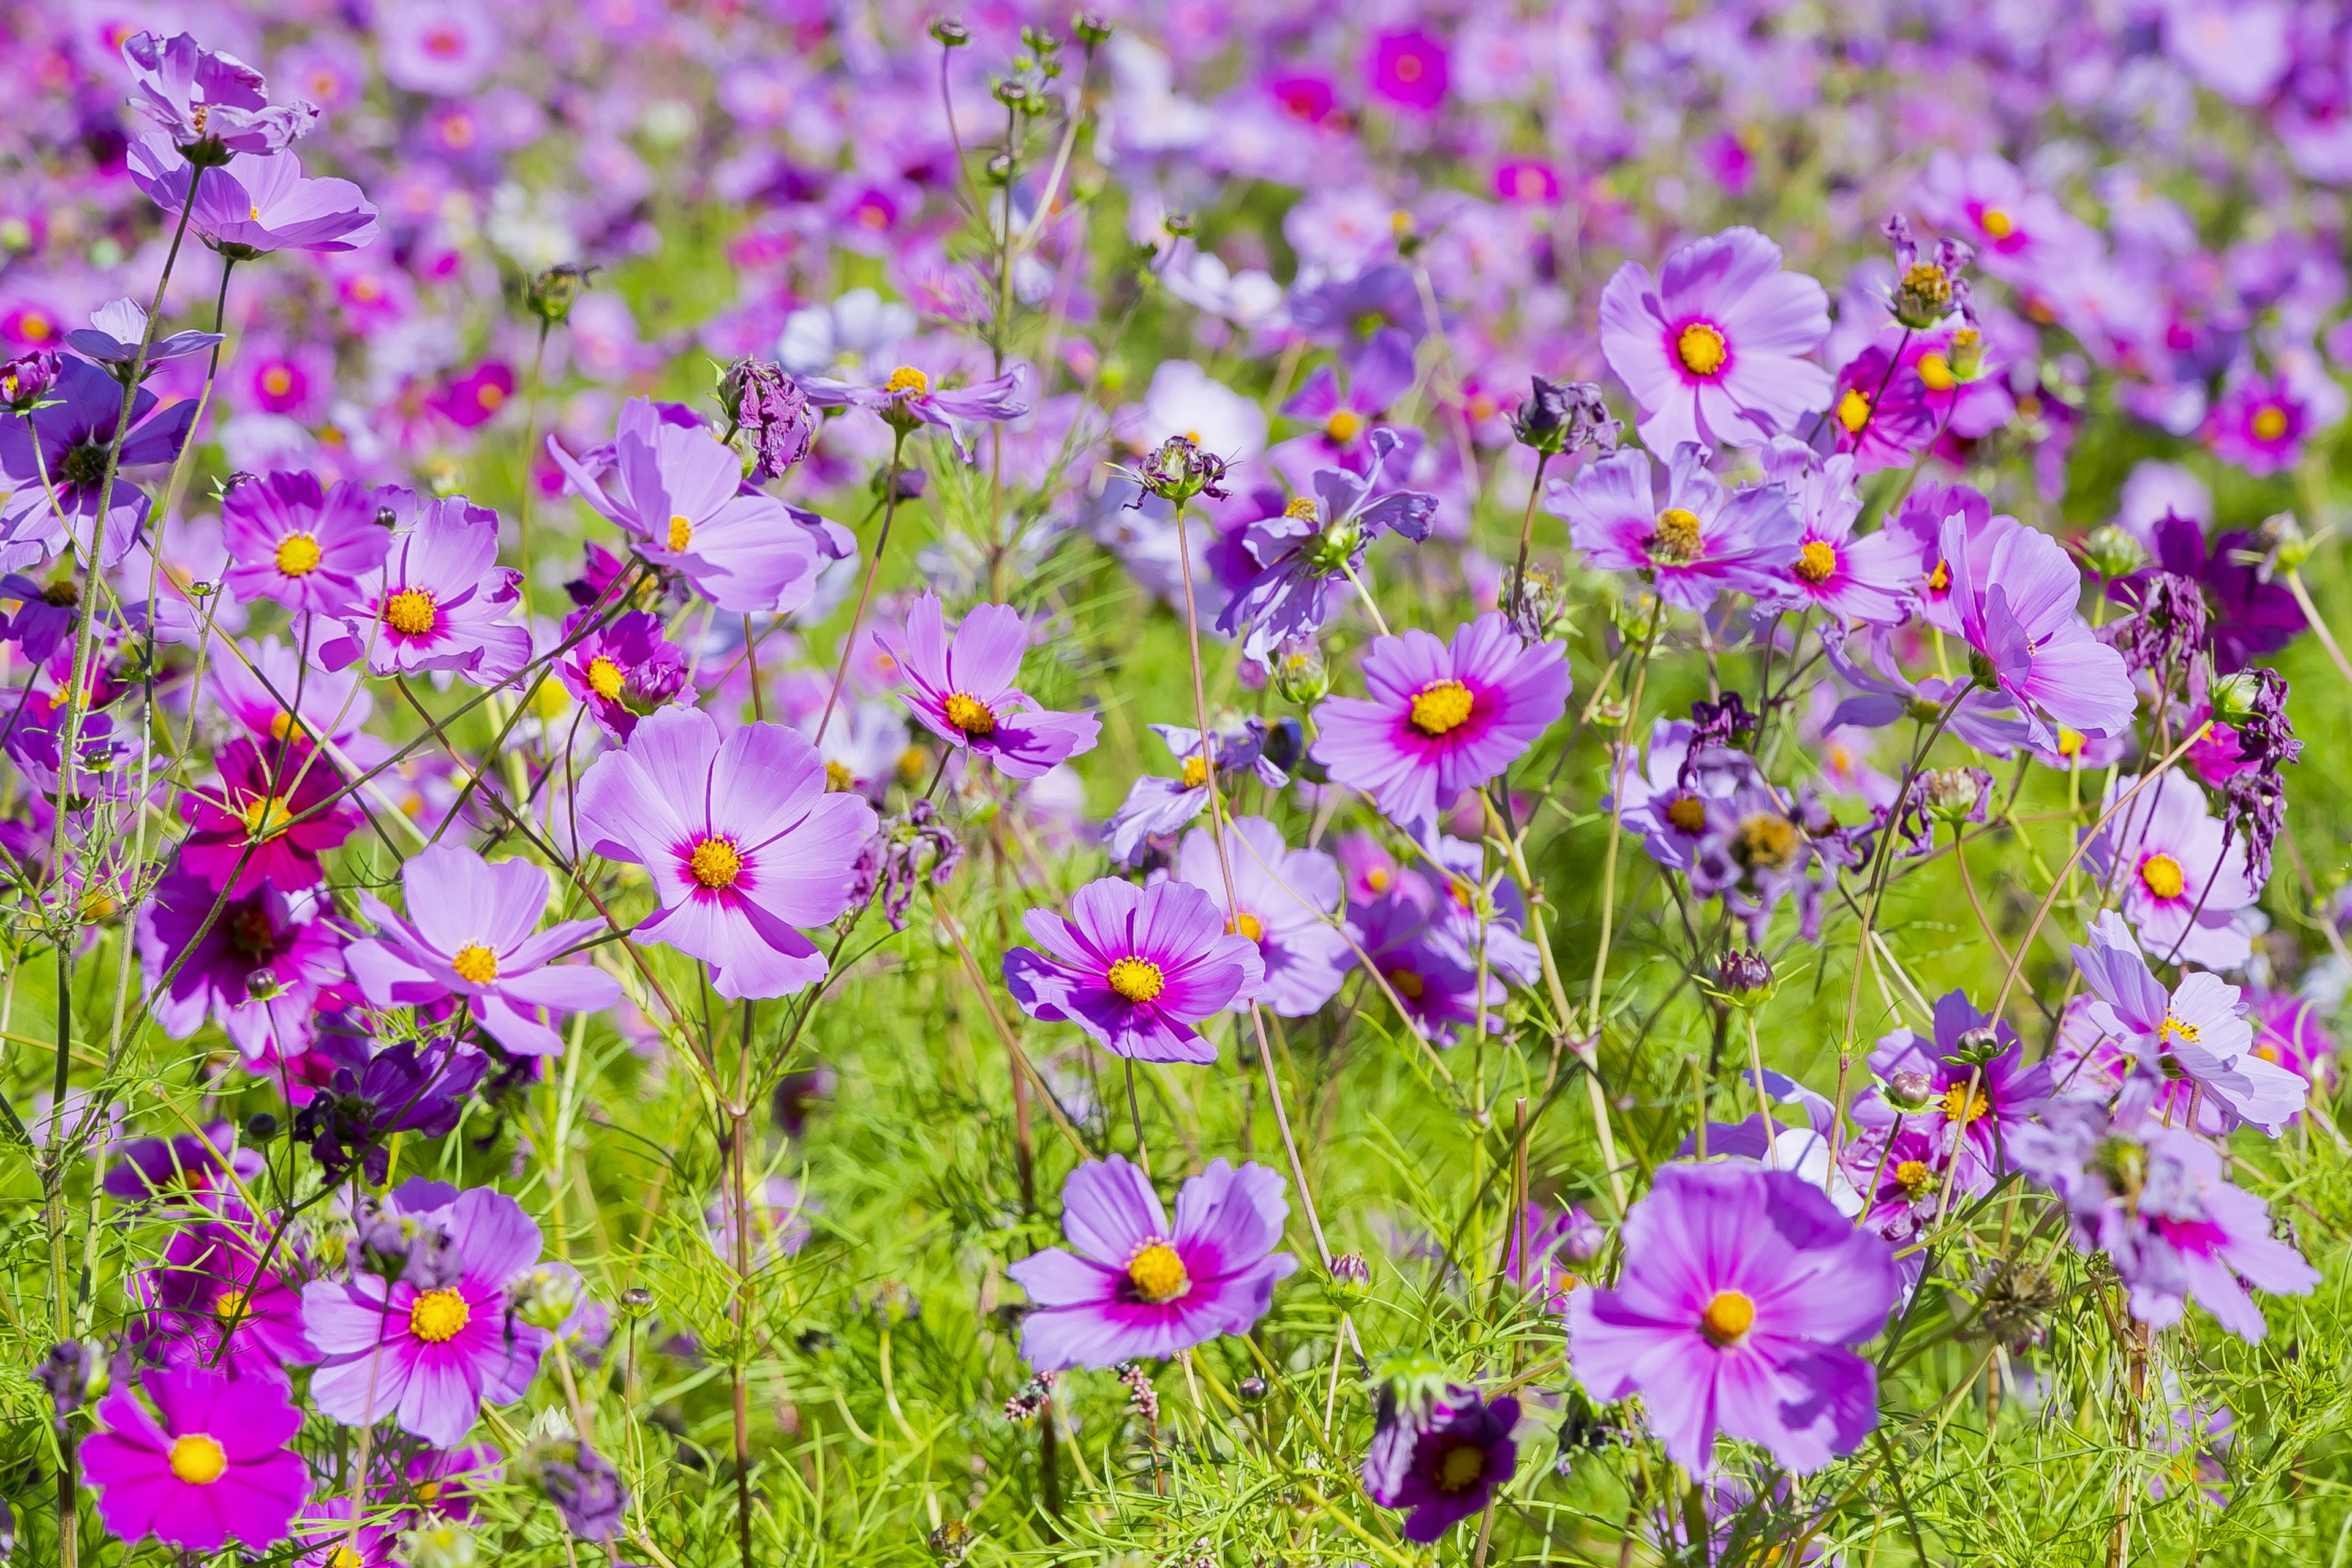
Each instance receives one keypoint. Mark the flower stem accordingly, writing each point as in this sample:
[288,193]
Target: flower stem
[865,592]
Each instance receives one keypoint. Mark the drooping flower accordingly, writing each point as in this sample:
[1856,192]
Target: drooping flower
[407,1088]
[1864,579]
[770,416]
[743,840]
[964,691]
[472,933]
[271,803]
[209,100]
[1741,1288]
[2180,881]
[440,600]
[305,546]
[1443,1465]
[2026,640]
[1130,1284]
[1440,718]
[1159,805]
[622,672]
[1135,968]
[430,1356]
[908,401]
[258,972]
[1713,350]
[1707,539]
[1308,548]
[68,438]
[1281,899]
[215,1468]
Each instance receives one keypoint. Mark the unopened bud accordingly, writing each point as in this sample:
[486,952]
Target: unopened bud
[1745,976]
[1952,793]
[2285,546]
[551,294]
[1091,28]
[951,34]
[1910,1090]
[546,1296]
[1976,1047]
[2235,697]
[2112,552]
[1251,1390]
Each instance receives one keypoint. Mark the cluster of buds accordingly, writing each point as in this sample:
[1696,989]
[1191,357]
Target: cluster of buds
[1143,1398]
[1029,1400]
[1928,292]
[1561,416]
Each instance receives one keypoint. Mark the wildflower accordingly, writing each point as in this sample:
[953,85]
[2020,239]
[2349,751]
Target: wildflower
[472,933]
[553,290]
[1545,1251]
[67,440]
[768,409]
[2026,638]
[216,1299]
[430,1357]
[1920,519]
[1970,1084]
[2246,616]
[2180,881]
[2290,1031]
[1424,966]
[2259,423]
[744,842]
[778,1210]
[117,328]
[26,380]
[1440,718]
[329,1533]
[1313,544]
[305,546]
[72,1373]
[1156,805]
[405,1087]
[1852,579]
[191,1168]
[1884,695]
[1705,539]
[2154,1199]
[963,689]
[2020,234]
[622,672]
[252,206]
[1136,969]
[1130,1286]
[1177,469]
[208,102]
[258,971]
[906,401]
[1741,1286]
[1029,1401]
[1560,417]
[1343,415]
[440,600]
[215,1468]
[1712,351]
[1924,291]
[1441,1463]
[581,1483]
[1283,898]
[1661,796]
[438,46]
[266,821]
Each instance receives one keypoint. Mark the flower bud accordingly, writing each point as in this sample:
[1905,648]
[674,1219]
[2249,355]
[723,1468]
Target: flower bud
[1952,793]
[949,34]
[260,1128]
[2285,546]
[445,1544]
[1251,1390]
[546,1296]
[1350,1276]
[1745,976]
[549,295]
[2113,553]
[1091,28]
[1976,1047]
[2235,697]
[25,382]
[637,1301]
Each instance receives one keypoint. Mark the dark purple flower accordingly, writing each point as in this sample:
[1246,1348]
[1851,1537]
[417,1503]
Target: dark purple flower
[405,1088]
[270,801]
[258,972]
[2246,615]
[1441,1466]
[581,1483]
[1967,1086]
[67,440]
[1383,298]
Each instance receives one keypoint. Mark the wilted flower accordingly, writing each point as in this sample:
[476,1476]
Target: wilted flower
[769,412]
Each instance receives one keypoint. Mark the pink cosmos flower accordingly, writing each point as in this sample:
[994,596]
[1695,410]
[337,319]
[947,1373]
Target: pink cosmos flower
[270,801]
[963,689]
[472,933]
[1855,580]
[437,45]
[440,601]
[1407,68]
[2259,424]
[2180,887]
[202,96]
[213,1303]
[1705,541]
[743,840]
[2020,235]
[1713,350]
[304,546]
[1439,717]
[2026,640]
[1741,1287]
[908,401]
[265,689]
[622,672]
[255,204]
[1281,896]
[258,971]
[215,1468]
[1135,968]
[1132,1286]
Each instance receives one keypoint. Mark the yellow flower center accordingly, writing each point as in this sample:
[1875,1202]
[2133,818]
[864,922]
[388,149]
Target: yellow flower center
[907,378]
[253,212]
[1997,222]
[410,611]
[681,531]
[1817,560]
[343,1556]
[1407,984]
[1766,841]
[1914,1177]
[2271,423]
[437,1316]
[1196,771]
[476,964]
[278,380]
[2174,1027]
[1676,540]
[1854,410]
[2161,873]
[1940,581]
[1687,813]
[1301,507]
[970,714]
[1461,1467]
[714,864]
[297,554]
[1978,1106]
[197,1460]
[1342,426]
[1138,980]
[266,817]
[604,678]
[837,777]
[1248,924]
[1727,1317]
[2070,742]
[1441,707]
[228,1307]
[1701,349]
[1936,371]
[1158,1274]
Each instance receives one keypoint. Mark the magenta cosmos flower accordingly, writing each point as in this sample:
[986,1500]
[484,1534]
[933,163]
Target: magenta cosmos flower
[1439,717]
[472,933]
[1855,580]
[215,1468]
[743,840]
[1407,68]
[2026,638]
[1136,968]
[622,672]
[2259,424]
[1705,539]
[1281,898]
[271,802]
[1741,1288]
[430,1355]
[1713,350]
[964,693]
[305,546]
[1136,1286]
[2181,881]
[678,491]
[212,1303]
[258,970]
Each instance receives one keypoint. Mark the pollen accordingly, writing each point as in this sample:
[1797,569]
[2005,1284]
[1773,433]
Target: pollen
[1727,1317]
[1935,372]
[1940,581]
[2070,742]
[2161,875]
[253,213]
[1997,222]
[2270,424]
[265,817]
[476,964]
[1854,410]
[1460,1468]
[970,714]
[1196,771]
[1817,562]
[907,378]
[298,554]
[1701,349]
[1137,980]
[1157,1274]
[1686,813]
[715,863]
[437,1316]
[343,1556]
[1248,925]
[1343,425]
[1442,707]
[681,531]
[1301,508]
[1767,842]
[1677,540]
[1978,1106]
[837,777]
[411,612]
[229,1308]
[1914,1177]
[198,1459]
[604,678]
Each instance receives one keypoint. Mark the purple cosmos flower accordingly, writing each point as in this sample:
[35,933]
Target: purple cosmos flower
[2020,234]
[1967,1086]
[1135,968]
[1345,416]
[117,328]
[1741,1287]
[1282,898]
[440,600]
[1712,351]
[2153,1198]
[2259,424]
[1440,718]
[1312,544]
[1130,1286]
[1383,298]
[258,972]
[906,401]
[1156,805]
[1864,579]
[677,491]
[67,440]
[439,46]
[621,672]
[258,803]
[307,547]
[743,840]
[779,1216]
[1475,907]
[189,1167]
[2246,618]
[215,1468]
[1425,965]
[405,1087]
[1884,695]
[267,689]
[430,1355]
[1662,797]
[251,206]
[472,933]
[2196,1035]
[1921,519]
[2026,640]
[211,1302]
[1898,1167]
[964,693]
[1705,539]
[209,98]
[1442,1466]
[1547,1250]
[2181,881]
